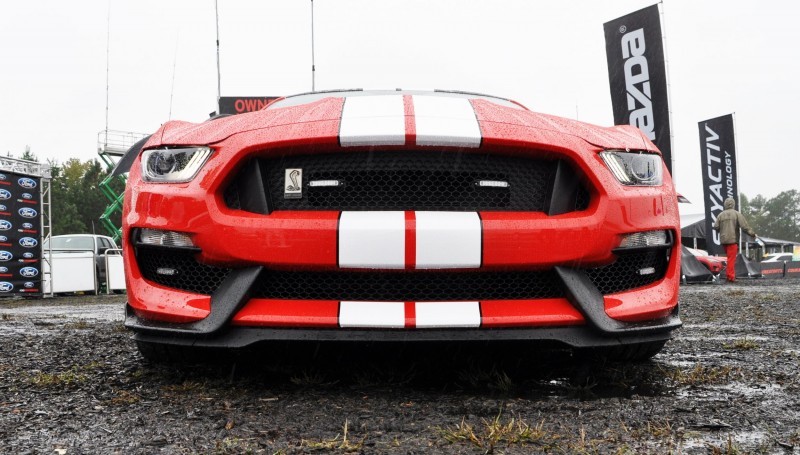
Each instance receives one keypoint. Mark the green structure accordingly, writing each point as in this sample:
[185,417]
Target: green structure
[111,146]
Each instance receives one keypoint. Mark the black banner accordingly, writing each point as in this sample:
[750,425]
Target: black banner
[773,269]
[20,234]
[793,269]
[242,104]
[638,76]
[718,161]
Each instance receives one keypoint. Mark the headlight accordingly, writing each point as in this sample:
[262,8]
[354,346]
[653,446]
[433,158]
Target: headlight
[634,168]
[173,165]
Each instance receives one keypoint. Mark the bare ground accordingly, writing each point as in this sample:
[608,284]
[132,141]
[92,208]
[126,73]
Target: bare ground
[71,381]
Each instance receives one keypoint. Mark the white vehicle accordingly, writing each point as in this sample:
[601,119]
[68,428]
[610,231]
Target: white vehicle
[777,257]
[98,245]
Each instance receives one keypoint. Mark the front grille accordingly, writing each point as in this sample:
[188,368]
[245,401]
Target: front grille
[407,180]
[192,276]
[189,275]
[414,286]
[624,274]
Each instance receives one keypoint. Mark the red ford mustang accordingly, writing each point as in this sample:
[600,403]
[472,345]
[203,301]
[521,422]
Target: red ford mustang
[399,216]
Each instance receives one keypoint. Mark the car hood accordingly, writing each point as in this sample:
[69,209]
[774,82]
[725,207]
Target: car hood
[498,123]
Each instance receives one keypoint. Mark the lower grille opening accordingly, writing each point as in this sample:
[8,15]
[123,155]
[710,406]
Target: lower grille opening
[629,271]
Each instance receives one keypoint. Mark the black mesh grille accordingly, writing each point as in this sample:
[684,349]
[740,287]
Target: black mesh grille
[409,286]
[189,275]
[412,180]
[624,274]
[192,276]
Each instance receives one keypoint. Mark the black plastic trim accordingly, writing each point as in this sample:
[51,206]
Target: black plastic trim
[583,294]
[238,337]
[252,189]
[563,191]
[229,298]
[124,164]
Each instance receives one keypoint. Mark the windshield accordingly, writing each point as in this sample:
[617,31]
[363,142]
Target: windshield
[305,98]
[72,243]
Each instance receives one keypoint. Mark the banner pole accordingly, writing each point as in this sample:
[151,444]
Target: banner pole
[669,90]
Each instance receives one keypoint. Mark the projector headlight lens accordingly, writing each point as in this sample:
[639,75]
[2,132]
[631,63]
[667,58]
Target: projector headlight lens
[177,165]
[634,168]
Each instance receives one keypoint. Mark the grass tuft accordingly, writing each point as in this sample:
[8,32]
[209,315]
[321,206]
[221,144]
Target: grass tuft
[492,433]
[741,344]
[338,442]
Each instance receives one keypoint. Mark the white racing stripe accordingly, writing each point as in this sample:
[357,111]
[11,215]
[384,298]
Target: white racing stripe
[373,120]
[448,314]
[445,121]
[372,314]
[448,240]
[373,240]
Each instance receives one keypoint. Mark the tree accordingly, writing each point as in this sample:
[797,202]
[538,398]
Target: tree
[77,202]
[777,218]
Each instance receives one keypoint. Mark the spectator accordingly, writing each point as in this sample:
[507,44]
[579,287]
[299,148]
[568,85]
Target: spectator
[728,224]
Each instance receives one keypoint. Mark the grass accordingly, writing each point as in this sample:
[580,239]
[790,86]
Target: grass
[491,433]
[75,375]
[124,398]
[69,377]
[493,379]
[702,375]
[78,325]
[338,442]
[729,448]
[741,344]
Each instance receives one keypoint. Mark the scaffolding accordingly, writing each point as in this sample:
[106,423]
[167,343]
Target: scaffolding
[111,146]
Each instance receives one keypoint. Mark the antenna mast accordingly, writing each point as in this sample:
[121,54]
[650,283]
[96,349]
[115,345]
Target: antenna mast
[312,47]
[219,91]
[108,47]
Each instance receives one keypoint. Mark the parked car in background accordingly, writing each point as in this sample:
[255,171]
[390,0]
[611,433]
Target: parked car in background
[778,257]
[99,245]
[715,264]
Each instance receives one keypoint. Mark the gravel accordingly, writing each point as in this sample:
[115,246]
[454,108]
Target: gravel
[71,381]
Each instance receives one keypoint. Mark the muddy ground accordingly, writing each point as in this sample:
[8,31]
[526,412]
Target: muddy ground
[71,381]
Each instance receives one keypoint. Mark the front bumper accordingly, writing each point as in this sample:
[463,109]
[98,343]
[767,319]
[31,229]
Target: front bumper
[234,293]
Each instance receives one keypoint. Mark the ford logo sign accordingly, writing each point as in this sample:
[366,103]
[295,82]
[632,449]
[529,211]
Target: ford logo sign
[3,269]
[27,212]
[3,238]
[29,272]
[29,284]
[27,255]
[27,196]
[27,183]
[5,194]
[5,286]
[28,242]
[27,226]
[5,225]
[3,177]
[3,208]
[6,256]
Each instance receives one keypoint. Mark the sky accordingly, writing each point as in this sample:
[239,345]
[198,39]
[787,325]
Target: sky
[69,68]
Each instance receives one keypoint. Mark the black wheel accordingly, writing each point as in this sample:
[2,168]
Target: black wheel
[638,352]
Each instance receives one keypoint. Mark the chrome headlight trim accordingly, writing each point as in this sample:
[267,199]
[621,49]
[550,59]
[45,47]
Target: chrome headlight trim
[173,165]
[634,168]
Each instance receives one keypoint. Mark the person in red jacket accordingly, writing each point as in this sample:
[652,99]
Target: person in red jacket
[728,224]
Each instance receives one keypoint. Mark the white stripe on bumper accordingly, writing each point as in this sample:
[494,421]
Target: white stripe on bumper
[448,314]
[373,120]
[446,121]
[372,314]
[448,240]
[373,240]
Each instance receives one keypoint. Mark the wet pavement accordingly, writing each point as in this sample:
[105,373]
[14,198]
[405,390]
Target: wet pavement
[71,381]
